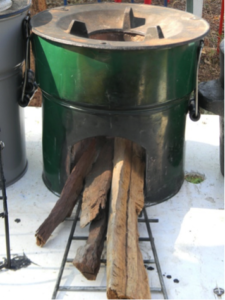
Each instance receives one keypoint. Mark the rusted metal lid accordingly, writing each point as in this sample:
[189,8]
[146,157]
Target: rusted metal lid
[16,7]
[119,26]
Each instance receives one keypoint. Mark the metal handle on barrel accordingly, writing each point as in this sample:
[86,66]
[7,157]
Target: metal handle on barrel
[29,85]
[194,112]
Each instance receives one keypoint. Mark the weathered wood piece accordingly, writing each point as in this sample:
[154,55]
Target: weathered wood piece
[126,275]
[137,286]
[97,184]
[117,225]
[69,195]
[88,257]
[74,154]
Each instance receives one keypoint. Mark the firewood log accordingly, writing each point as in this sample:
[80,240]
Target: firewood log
[97,185]
[117,224]
[88,257]
[74,154]
[126,275]
[137,286]
[69,195]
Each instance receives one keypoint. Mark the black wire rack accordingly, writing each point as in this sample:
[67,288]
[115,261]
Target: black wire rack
[4,214]
[18,261]
[145,219]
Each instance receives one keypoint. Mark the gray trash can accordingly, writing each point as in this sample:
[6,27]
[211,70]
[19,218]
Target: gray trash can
[211,98]
[12,52]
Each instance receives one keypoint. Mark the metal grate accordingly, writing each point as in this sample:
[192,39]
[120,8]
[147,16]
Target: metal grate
[72,237]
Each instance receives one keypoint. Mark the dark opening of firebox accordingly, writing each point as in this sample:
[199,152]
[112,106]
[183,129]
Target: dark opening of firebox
[79,29]
[113,35]
[76,151]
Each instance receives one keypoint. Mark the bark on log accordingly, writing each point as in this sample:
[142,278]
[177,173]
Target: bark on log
[74,154]
[88,257]
[97,185]
[126,275]
[69,195]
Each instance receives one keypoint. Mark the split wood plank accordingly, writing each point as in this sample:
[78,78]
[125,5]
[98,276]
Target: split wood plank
[126,274]
[117,225]
[137,286]
[97,184]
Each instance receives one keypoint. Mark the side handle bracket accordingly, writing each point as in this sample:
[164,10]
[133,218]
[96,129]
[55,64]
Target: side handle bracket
[29,85]
[194,111]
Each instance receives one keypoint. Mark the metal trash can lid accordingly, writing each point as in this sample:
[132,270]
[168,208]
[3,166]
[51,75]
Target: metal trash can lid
[119,26]
[16,7]
[5,4]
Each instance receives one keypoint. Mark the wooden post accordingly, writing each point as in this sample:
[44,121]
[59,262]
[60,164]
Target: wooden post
[39,5]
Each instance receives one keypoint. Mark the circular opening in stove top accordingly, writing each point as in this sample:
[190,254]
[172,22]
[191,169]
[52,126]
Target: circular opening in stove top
[116,35]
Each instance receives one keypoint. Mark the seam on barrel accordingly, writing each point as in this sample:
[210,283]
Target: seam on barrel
[5,74]
[102,110]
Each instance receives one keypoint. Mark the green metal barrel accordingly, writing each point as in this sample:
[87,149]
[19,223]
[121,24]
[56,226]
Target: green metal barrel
[128,82]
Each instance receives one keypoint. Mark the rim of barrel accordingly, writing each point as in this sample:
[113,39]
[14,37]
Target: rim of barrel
[17,8]
[46,25]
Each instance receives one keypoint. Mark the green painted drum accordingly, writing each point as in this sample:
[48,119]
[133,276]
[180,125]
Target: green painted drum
[116,74]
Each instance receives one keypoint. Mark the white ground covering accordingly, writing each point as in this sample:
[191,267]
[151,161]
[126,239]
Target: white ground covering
[189,236]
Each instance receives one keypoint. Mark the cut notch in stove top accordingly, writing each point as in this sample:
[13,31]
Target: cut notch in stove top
[126,33]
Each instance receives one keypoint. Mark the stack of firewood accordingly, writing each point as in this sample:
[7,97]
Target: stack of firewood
[110,175]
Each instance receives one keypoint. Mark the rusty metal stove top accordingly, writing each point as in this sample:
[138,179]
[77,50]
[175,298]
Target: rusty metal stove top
[119,26]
